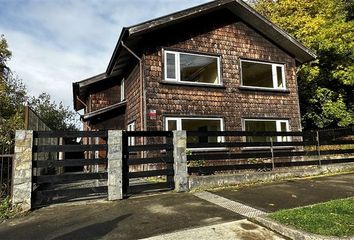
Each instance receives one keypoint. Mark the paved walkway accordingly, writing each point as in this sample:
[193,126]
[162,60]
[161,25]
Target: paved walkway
[293,193]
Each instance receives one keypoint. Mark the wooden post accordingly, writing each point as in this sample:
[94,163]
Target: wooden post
[272,152]
[318,147]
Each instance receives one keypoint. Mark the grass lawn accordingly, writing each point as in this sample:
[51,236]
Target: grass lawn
[333,218]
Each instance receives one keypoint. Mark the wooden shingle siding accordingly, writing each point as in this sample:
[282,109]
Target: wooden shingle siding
[132,92]
[232,40]
[105,98]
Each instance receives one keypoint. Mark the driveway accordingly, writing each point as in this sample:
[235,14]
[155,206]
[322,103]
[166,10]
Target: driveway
[171,215]
[126,219]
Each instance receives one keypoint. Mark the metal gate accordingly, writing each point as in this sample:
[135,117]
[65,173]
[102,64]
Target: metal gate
[147,161]
[69,166]
[6,161]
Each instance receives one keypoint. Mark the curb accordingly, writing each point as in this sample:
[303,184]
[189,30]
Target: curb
[291,232]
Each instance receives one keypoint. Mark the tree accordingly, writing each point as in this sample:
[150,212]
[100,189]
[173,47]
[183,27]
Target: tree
[5,55]
[13,96]
[326,86]
[55,116]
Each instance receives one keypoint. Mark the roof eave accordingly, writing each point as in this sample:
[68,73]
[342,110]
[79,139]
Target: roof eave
[99,112]
[76,91]
[123,35]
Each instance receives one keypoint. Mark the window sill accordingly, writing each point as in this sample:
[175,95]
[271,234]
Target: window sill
[267,148]
[256,89]
[219,149]
[166,82]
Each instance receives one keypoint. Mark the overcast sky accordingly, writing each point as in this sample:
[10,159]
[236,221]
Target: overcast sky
[57,42]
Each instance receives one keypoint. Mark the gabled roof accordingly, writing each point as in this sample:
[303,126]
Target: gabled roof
[237,7]
[121,58]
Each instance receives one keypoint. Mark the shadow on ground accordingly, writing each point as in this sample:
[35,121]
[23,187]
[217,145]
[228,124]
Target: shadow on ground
[93,231]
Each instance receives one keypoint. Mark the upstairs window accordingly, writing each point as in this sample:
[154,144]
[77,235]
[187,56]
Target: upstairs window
[262,75]
[122,91]
[262,125]
[192,68]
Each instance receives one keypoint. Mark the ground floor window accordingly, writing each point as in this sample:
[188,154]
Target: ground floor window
[196,124]
[265,125]
[131,127]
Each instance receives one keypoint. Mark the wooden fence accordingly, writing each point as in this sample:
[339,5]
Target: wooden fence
[139,161]
[72,173]
[235,153]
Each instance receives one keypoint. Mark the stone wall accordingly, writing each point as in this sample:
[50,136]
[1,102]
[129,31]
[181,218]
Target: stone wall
[22,170]
[224,180]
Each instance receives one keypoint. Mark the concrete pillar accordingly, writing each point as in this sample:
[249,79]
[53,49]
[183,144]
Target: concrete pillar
[180,161]
[22,170]
[115,165]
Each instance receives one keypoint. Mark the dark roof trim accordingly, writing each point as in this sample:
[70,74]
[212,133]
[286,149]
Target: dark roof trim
[101,111]
[118,48]
[177,16]
[92,80]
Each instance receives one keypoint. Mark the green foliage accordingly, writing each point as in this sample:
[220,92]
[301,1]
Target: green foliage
[5,208]
[334,218]
[13,96]
[5,55]
[55,116]
[326,86]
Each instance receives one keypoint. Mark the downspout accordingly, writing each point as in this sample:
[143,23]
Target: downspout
[77,97]
[142,87]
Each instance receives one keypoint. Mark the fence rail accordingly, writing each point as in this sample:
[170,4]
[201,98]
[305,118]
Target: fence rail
[296,149]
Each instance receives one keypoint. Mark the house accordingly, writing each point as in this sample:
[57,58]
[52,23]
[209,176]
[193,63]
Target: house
[216,66]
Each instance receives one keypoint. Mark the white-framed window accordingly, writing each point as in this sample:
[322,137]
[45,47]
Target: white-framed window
[266,125]
[196,124]
[131,127]
[192,68]
[122,90]
[266,75]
